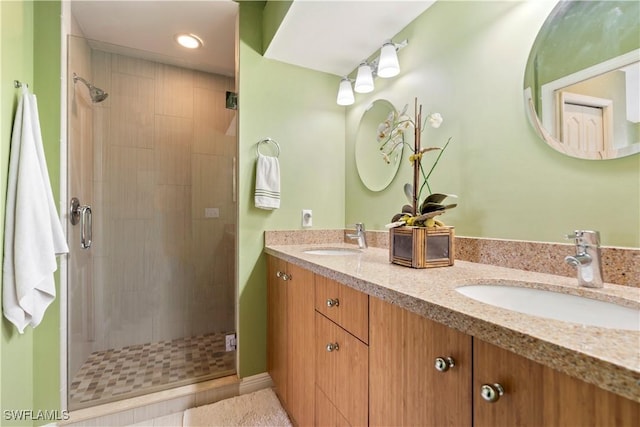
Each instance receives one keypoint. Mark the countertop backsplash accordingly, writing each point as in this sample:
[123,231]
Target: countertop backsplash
[619,265]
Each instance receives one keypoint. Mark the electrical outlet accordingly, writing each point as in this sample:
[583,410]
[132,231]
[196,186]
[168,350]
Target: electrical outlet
[230,342]
[307,218]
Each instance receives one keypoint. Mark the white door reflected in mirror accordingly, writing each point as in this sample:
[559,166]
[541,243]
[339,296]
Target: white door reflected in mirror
[582,80]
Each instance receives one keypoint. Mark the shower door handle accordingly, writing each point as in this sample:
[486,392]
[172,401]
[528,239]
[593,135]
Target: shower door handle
[86,227]
[82,214]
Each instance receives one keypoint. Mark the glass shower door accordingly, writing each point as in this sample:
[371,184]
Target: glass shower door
[152,299]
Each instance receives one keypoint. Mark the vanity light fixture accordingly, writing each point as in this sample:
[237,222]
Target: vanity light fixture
[345,92]
[386,65]
[190,41]
[364,79]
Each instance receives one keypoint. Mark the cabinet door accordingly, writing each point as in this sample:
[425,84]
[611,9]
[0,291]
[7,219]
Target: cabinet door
[536,395]
[328,415]
[405,388]
[301,354]
[277,326]
[342,370]
[521,380]
[569,401]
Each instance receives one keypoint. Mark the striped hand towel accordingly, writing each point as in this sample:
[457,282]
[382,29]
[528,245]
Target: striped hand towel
[267,194]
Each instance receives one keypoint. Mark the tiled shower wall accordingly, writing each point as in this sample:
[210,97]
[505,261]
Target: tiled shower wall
[164,147]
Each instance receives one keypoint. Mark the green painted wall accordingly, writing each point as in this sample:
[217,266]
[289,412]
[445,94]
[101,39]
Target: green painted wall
[511,185]
[16,351]
[30,52]
[297,108]
[466,60]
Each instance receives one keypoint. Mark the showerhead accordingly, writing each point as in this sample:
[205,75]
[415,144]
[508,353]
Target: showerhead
[96,94]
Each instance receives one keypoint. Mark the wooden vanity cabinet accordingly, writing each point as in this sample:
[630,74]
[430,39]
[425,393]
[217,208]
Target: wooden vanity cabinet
[383,370]
[342,354]
[405,388]
[521,380]
[342,371]
[277,326]
[536,395]
[326,413]
[344,306]
[290,338]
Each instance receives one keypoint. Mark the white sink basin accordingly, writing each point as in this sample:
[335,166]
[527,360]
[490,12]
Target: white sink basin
[333,251]
[554,305]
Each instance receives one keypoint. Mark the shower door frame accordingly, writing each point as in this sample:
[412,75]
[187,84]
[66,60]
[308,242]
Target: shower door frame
[65,33]
[64,206]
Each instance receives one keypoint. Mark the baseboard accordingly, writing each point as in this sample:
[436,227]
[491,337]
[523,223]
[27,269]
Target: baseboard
[255,383]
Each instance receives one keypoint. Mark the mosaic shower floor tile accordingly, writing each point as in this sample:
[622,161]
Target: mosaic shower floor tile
[122,373]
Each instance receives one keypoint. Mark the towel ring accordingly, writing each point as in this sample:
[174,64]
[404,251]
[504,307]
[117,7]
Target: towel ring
[266,141]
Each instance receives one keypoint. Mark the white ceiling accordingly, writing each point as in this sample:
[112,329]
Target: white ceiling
[145,28]
[332,36]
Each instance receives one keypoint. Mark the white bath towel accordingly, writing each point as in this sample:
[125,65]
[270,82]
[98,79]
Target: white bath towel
[267,194]
[33,233]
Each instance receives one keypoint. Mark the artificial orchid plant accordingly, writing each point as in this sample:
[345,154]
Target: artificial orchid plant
[391,134]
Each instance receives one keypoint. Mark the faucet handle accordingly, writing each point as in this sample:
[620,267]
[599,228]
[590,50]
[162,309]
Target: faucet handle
[585,237]
[573,235]
[359,226]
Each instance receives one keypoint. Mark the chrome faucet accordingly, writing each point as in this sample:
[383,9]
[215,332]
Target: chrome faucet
[587,258]
[359,235]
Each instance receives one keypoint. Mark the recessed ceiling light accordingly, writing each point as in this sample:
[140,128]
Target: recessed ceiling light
[190,41]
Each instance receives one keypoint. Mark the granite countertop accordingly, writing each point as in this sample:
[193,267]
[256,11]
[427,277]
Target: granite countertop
[608,358]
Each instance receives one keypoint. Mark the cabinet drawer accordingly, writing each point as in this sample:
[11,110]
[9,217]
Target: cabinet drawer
[347,307]
[342,370]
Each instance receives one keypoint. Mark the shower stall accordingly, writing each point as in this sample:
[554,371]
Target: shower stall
[151,274]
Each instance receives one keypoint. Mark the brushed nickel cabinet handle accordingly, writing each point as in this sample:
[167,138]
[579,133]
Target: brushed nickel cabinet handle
[333,347]
[491,392]
[284,276]
[443,364]
[331,302]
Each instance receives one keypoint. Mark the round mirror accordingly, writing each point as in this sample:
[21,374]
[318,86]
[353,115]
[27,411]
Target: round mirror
[582,81]
[375,170]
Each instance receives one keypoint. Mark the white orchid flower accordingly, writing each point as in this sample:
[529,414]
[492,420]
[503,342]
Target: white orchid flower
[386,158]
[383,130]
[435,120]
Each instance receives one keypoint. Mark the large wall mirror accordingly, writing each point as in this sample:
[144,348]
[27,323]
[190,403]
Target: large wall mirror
[375,172]
[582,81]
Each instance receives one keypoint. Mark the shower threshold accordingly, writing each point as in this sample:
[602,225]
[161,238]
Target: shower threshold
[116,374]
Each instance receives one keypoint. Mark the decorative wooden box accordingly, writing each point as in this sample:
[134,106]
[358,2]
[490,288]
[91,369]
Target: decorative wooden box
[422,247]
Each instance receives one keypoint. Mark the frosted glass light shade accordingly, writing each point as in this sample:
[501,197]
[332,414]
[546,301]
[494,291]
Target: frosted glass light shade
[364,80]
[388,65]
[345,93]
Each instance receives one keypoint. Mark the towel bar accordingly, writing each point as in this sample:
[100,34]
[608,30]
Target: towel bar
[18,84]
[266,141]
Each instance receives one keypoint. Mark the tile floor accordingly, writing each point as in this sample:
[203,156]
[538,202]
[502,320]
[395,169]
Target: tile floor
[173,420]
[117,374]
